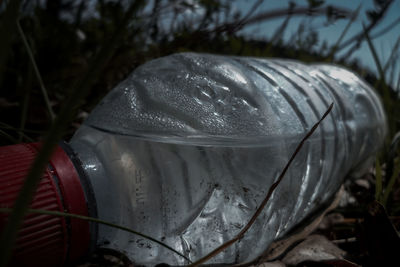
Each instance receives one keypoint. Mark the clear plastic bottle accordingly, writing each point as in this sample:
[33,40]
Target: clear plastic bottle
[187,146]
[185,149]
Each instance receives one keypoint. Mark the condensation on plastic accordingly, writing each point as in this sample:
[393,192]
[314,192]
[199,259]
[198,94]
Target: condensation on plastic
[186,148]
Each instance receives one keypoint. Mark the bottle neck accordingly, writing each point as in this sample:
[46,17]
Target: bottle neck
[104,187]
[87,188]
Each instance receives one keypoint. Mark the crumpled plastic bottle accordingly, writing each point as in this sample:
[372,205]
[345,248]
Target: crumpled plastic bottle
[186,148]
[188,145]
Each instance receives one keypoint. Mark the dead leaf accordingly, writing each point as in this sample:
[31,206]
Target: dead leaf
[314,248]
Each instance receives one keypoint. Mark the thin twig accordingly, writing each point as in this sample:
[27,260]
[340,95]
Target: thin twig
[382,79]
[252,10]
[95,220]
[300,11]
[295,11]
[267,197]
[9,137]
[37,72]
[19,131]
[386,29]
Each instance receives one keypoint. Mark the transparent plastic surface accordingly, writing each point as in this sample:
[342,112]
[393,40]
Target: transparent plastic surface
[187,146]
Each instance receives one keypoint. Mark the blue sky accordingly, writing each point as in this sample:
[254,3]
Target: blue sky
[331,33]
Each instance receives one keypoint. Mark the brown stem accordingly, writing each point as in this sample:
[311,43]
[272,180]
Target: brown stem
[267,197]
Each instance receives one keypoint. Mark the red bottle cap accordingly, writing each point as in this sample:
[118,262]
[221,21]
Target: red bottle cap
[45,240]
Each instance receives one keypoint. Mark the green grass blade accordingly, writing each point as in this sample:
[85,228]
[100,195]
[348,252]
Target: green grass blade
[374,55]
[9,137]
[36,70]
[392,56]
[387,101]
[25,104]
[95,220]
[387,28]
[19,131]
[277,36]
[378,181]
[9,127]
[54,135]
[343,34]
